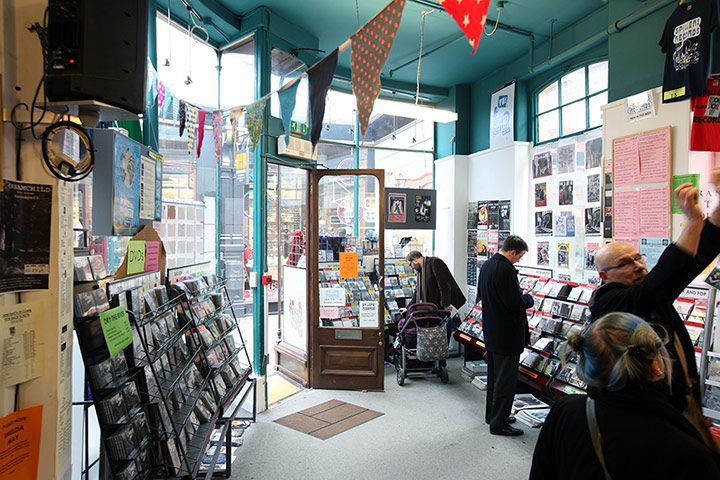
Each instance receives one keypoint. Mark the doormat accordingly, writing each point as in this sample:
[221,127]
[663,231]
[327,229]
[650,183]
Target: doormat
[328,419]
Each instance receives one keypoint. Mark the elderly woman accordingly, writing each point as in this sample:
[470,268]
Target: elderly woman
[641,435]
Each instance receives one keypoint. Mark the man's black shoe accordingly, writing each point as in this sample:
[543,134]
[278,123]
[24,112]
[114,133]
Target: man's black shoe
[507,431]
[511,419]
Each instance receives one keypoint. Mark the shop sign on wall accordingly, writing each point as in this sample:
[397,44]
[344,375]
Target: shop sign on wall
[502,116]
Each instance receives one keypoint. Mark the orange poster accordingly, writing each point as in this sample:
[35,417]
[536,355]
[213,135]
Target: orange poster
[20,444]
[348,265]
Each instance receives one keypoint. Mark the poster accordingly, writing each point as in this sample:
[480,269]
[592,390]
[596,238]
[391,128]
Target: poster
[147,188]
[593,188]
[25,214]
[482,244]
[542,165]
[398,204]
[565,192]
[566,158]
[493,214]
[348,264]
[563,255]
[593,153]
[116,329]
[493,238]
[20,445]
[368,317]
[502,116]
[482,216]
[504,222]
[565,225]
[472,215]
[592,221]
[332,297]
[652,248]
[541,194]
[590,251]
[126,187]
[22,343]
[543,253]
[544,223]
[294,318]
[472,243]
[423,204]
[158,184]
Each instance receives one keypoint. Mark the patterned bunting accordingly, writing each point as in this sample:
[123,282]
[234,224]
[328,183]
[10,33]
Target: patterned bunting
[161,94]
[370,48]
[201,130]
[470,17]
[320,77]
[217,121]
[182,114]
[192,116]
[168,103]
[287,96]
[255,120]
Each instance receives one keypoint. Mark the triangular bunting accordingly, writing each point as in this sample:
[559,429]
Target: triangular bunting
[320,77]
[182,117]
[370,48]
[201,130]
[192,116]
[168,102]
[217,123]
[287,96]
[470,17]
[255,120]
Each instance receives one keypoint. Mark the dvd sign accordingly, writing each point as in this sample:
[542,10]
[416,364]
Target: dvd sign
[502,116]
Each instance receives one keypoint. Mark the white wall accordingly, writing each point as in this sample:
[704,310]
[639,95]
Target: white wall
[451,183]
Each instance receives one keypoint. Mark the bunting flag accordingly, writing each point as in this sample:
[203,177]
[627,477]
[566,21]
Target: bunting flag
[161,94]
[320,76]
[255,120]
[151,90]
[201,130]
[287,96]
[168,103]
[234,120]
[470,17]
[182,114]
[217,121]
[370,48]
[192,116]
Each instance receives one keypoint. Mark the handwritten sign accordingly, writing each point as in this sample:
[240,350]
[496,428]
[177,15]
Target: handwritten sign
[348,265]
[152,256]
[136,257]
[368,314]
[116,329]
[20,445]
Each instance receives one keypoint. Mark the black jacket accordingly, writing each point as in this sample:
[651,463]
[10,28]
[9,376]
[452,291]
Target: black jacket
[504,321]
[652,300]
[436,285]
[643,437]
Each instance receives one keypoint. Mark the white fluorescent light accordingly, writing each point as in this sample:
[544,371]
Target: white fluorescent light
[410,110]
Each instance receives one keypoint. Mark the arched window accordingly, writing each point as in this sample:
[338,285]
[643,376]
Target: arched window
[571,104]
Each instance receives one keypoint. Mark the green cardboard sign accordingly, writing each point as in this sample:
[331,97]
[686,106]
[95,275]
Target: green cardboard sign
[116,329]
[678,180]
[135,257]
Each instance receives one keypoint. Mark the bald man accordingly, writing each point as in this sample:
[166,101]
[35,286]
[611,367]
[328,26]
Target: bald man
[629,287]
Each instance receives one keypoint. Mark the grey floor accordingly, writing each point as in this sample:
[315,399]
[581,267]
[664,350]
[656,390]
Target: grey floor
[428,431]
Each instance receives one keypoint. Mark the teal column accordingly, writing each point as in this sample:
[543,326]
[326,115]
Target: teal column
[217,179]
[150,121]
[356,189]
[262,87]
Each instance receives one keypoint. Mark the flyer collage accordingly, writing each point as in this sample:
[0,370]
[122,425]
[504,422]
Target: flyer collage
[567,181]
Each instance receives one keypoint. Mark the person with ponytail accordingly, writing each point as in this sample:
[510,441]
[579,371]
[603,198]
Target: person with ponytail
[639,434]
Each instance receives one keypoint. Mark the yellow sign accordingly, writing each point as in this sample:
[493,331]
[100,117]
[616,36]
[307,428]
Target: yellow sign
[135,257]
[240,161]
[348,265]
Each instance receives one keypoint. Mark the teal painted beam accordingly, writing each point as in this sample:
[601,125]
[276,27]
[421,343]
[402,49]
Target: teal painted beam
[150,121]
[262,87]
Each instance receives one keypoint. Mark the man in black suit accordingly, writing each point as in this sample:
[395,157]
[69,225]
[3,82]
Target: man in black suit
[628,286]
[505,329]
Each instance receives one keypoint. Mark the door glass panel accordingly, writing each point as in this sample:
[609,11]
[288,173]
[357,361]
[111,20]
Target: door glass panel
[348,249]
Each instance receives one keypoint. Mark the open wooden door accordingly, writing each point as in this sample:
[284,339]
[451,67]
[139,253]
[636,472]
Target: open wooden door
[346,298]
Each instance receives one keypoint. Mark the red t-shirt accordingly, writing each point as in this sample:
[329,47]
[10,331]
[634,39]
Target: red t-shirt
[705,131]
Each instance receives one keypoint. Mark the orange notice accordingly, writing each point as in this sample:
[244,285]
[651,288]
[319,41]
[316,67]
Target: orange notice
[20,444]
[348,265]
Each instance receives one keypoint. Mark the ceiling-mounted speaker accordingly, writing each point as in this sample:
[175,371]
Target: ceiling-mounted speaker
[97,50]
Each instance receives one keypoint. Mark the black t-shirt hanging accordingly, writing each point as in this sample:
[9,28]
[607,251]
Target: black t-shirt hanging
[686,45]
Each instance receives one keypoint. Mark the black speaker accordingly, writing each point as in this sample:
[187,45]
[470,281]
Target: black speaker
[97,50]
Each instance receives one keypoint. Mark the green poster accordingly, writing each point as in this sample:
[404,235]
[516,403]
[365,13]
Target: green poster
[116,329]
[136,257]
[678,180]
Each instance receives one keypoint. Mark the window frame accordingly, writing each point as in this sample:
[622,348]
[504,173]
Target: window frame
[559,107]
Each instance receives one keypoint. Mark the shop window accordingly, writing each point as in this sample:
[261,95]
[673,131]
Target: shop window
[284,69]
[571,104]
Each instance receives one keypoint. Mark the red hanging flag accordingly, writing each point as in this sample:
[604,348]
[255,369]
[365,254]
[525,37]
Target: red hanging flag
[470,15]
[370,48]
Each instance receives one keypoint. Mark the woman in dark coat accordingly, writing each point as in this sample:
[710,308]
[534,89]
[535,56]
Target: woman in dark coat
[627,370]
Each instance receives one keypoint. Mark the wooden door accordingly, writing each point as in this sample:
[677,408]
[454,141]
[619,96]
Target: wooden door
[346,317]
